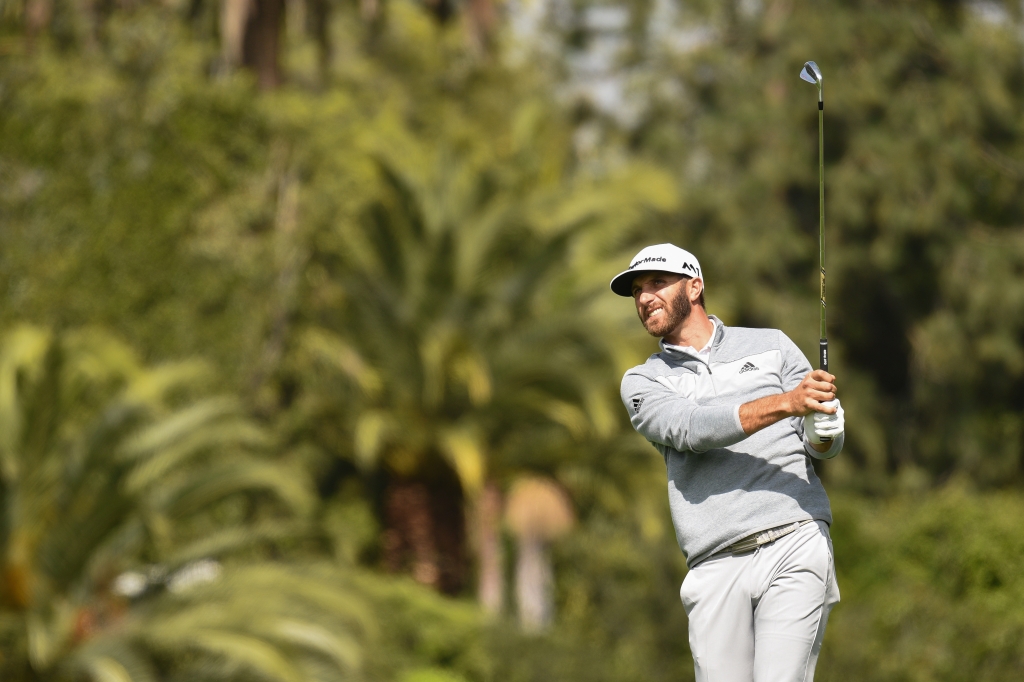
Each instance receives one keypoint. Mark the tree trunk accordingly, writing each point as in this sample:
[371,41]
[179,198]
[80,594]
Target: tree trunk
[234,17]
[37,18]
[410,532]
[262,41]
[425,532]
[483,19]
[491,588]
[448,511]
[318,23]
[533,585]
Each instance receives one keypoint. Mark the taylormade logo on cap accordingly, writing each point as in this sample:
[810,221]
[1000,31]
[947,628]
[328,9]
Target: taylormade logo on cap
[661,258]
[649,259]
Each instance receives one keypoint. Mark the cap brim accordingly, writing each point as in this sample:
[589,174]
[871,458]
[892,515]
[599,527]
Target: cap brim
[623,282]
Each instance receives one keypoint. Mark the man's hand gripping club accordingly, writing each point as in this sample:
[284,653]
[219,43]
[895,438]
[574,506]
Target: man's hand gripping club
[814,399]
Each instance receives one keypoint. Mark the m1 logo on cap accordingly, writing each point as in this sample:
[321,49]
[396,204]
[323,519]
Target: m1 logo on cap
[688,266]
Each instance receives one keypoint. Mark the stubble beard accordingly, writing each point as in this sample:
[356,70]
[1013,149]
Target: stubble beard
[676,312]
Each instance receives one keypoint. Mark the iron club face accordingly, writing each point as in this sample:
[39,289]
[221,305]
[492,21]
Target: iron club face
[812,74]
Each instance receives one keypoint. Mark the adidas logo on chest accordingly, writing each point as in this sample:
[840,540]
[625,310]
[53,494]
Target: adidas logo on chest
[758,372]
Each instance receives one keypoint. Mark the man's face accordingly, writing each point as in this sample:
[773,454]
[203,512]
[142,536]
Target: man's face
[662,301]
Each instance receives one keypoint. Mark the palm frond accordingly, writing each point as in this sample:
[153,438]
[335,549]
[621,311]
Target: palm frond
[106,469]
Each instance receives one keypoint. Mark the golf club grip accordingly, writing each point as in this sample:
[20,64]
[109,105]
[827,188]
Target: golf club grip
[823,364]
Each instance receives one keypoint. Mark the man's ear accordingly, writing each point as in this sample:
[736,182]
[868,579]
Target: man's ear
[694,289]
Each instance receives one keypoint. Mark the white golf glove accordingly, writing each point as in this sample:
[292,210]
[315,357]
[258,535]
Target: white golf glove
[819,426]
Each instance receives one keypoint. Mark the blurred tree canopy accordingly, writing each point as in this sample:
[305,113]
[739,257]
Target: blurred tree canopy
[384,230]
[923,135]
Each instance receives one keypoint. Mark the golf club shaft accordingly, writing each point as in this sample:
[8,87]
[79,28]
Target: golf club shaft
[823,340]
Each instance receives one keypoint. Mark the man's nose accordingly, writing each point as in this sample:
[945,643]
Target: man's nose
[644,297]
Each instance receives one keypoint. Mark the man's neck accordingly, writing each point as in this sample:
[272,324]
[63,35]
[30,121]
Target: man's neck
[695,331]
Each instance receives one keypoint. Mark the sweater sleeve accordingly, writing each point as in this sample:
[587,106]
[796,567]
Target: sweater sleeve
[664,417]
[794,365]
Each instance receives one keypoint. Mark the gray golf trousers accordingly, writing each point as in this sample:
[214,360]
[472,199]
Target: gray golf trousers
[760,616]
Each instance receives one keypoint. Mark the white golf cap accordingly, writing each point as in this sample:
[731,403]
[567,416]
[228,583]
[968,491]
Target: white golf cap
[660,258]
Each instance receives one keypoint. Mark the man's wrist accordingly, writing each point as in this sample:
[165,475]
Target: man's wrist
[787,404]
[763,412]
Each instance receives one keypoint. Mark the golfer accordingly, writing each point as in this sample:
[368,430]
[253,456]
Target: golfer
[737,413]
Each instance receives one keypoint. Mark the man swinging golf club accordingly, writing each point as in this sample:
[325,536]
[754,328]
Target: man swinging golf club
[737,413]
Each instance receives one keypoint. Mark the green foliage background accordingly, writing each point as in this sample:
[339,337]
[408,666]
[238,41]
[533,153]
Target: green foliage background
[231,317]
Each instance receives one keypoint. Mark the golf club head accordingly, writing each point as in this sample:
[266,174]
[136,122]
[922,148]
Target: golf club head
[811,73]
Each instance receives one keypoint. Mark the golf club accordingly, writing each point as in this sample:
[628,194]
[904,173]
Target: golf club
[812,74]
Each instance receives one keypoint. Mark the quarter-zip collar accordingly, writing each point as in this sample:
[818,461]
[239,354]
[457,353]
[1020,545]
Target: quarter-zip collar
[688,353]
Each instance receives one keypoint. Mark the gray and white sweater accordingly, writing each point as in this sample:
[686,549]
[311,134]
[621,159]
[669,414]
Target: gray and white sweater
[723,484]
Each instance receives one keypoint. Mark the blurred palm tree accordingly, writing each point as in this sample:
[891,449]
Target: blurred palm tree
[465,355]
[132,511]
[454,323]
